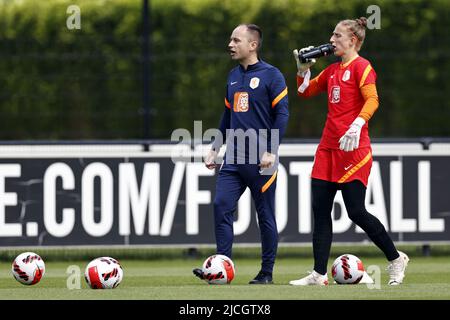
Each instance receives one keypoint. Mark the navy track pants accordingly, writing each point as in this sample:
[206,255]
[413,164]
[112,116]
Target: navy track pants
[231,184]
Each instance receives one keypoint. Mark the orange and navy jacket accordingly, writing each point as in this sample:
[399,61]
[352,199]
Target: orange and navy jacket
[255,99]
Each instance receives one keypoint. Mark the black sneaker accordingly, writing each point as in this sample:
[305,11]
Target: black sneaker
[262,278]
[198,273]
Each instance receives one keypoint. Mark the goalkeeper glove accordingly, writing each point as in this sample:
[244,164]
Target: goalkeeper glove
[350,140]
[303,67]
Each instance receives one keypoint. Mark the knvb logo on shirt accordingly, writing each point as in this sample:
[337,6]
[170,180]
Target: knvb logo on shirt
[240,102]
[346,75]
[254,83]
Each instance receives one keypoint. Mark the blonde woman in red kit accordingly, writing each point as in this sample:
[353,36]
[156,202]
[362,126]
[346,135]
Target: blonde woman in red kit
[344,156]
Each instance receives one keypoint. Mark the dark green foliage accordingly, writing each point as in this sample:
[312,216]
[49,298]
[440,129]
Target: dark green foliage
[57,83]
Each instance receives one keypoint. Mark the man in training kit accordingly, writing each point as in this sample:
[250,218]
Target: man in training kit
[343,159]
[254,121]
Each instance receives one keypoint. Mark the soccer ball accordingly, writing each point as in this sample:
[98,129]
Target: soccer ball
[218,269]
[28,268]
[347,269]
[103,273]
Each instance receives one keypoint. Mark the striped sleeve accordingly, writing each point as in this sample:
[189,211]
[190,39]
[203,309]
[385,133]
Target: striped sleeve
[370,96]
[278,96]
[368,76]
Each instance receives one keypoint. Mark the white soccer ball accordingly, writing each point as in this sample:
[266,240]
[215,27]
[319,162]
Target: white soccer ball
[218,269]
[347,269]
[28,268]
[103,273]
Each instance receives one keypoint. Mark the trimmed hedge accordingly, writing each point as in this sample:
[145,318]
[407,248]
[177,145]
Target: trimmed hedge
[57,83]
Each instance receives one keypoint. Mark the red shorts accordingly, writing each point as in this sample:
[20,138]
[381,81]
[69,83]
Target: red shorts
[335,165]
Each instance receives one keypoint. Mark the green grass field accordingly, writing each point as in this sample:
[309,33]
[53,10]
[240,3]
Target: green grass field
[426,278]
